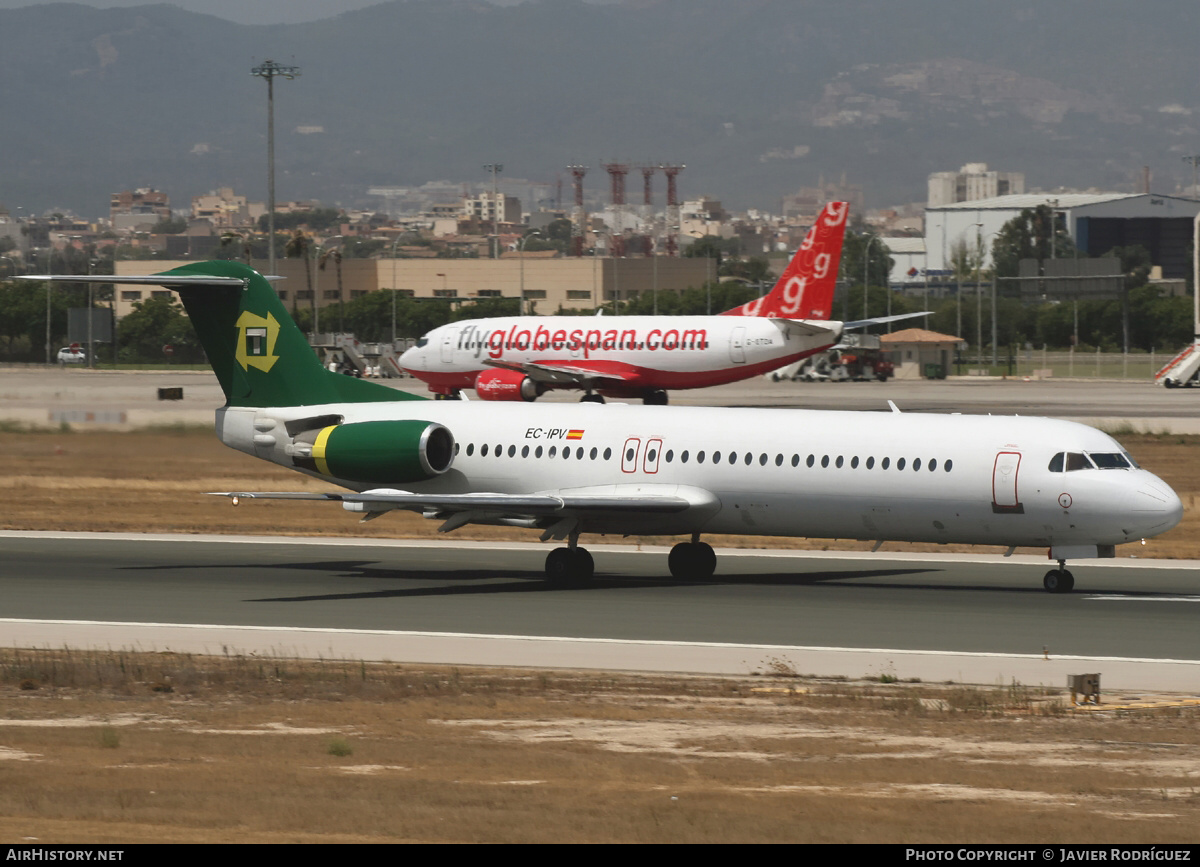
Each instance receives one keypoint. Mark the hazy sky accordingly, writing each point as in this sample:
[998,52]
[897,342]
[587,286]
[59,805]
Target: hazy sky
[255,12]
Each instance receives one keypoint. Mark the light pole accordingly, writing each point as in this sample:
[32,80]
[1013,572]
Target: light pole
[395,241]
[269,70]
[521,252]
[866,266]
[49,270]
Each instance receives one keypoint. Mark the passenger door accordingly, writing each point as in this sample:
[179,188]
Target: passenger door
[1005,495]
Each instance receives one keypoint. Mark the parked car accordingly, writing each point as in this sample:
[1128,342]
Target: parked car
[72,355]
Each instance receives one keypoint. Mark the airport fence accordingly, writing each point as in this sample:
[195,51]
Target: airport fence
[1057,364]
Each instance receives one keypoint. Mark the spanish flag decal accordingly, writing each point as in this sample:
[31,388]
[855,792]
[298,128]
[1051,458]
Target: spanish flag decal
[574,434]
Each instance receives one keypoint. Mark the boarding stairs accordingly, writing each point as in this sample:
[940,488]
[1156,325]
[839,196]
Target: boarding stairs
[368,359]
[1181,370]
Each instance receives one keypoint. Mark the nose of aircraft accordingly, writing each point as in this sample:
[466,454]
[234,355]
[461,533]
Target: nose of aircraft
[1157,507]
[410,358]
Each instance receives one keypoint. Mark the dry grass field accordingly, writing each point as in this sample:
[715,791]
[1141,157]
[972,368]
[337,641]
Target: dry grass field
[122,748]
[112,747]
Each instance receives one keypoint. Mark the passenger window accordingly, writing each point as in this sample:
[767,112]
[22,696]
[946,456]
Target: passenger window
[483,450]
[838,462]
[916,463]
[512,450]
[900,464]
[854,462]
[537,453]
[524,451]
[885,463]
[779,460]
[579,453]
[670,455]
[810,460]
[732,458]
[932,464]
[824,461]
[593,453]
[795,460]
[683,457]
[949,465]
[870,463]
[470,449]
[607,454]
[553,451]
[716,457]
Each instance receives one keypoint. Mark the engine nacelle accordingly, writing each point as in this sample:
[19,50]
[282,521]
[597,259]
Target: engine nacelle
[502,384]
[379,452]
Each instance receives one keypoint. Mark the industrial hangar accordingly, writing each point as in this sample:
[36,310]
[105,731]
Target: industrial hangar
[1096,222]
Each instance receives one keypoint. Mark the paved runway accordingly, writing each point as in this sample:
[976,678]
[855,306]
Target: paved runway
[949,617]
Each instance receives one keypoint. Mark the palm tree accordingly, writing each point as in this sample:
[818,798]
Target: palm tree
[229,237]
[298,248]
[336,255]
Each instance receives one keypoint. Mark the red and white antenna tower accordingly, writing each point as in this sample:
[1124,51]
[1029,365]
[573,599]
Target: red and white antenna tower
[616,174]
[578,218]
[650,239]
[672,208]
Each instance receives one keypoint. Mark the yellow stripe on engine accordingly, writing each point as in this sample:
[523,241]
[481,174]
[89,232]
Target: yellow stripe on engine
[318,450]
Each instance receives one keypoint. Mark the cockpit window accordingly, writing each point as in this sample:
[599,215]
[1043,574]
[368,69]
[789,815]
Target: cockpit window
[1110,460]
[1056,462]
[422,341]
[1078,461]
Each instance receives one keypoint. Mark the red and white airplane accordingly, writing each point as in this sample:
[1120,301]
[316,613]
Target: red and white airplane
[522,357]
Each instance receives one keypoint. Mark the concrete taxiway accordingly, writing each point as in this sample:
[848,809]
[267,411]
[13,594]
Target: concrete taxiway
[39,396]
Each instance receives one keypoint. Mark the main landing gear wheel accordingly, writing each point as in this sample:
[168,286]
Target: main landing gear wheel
[1059,581]
[592,398]
[692,560]
[569,567]
[658,397]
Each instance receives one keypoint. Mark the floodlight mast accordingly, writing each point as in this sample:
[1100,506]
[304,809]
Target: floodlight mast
[269,70]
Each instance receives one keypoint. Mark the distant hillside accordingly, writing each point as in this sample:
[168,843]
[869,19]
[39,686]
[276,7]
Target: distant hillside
[757,97]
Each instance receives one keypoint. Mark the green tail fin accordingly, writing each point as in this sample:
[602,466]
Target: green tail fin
[259,355]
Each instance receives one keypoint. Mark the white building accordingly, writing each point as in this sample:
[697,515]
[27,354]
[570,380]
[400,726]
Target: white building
[973,181]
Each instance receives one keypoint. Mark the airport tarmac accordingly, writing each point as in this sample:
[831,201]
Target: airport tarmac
[38,396]
[961,618]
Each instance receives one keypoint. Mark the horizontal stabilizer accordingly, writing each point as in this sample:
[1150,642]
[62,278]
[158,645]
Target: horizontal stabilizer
[167,281]
[880,320]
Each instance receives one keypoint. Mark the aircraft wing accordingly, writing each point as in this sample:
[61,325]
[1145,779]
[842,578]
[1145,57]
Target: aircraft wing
[558,512]
[527,505]
[587,374]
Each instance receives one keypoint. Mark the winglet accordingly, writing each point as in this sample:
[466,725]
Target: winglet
[805,290]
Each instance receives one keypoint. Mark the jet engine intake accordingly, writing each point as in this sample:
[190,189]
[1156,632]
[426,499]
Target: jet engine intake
[379,452]
[502,384]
